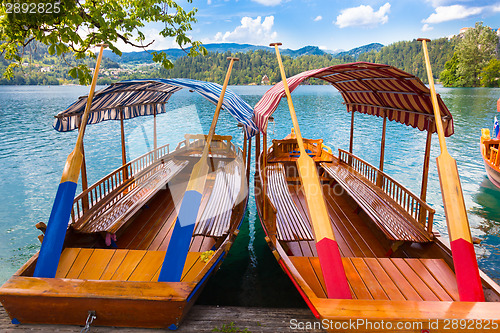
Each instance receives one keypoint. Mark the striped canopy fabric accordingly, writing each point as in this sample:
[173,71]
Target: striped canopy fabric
[369,88]
[135,98]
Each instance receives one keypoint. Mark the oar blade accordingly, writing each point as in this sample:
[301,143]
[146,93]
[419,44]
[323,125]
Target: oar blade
[314,197]
[330,260]
[464,257]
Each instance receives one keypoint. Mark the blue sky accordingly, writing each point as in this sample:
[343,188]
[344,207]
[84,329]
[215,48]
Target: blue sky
[331,24]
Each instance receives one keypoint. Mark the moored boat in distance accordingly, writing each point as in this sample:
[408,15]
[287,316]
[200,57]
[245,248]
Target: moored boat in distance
[401,273]
[489,151]
[114,268]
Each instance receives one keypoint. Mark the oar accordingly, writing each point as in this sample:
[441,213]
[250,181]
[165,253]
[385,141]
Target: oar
[178,247]
[50,252]
[328,250]
[464,257]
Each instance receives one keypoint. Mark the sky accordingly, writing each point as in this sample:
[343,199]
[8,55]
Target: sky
[329,24]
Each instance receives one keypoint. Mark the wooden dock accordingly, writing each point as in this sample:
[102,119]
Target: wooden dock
[201,318]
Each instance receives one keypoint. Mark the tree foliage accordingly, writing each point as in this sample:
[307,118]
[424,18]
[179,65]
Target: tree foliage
[250,69]
[490,75]
[408,56]
[474,51]
[75,27]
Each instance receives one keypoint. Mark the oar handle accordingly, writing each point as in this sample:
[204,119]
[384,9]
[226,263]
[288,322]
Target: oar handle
[71,170]
[435,104]
[295,122]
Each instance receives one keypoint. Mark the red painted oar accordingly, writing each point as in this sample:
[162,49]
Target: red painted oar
[52,245]
[464,258]
[328,250]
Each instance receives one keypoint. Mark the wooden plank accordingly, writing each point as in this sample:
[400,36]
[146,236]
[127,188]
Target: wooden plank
[444,275]
[357,284]
[429,279]
[404,286]
[113,264]
[79,264]
[96,264]
[148,267]
[194,271]
[191,259]
[423,290]
[305,266]
[128,265]
[384,280]
[369,279]
[68,257]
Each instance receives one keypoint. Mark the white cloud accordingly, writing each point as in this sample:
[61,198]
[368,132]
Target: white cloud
[209,2]
[251,31]
[496,8]
[268,2]
[318,18]
[450,13]
[363,16]
[426,28]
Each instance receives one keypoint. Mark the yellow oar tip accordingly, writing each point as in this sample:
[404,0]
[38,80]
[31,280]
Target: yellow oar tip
[422,39]
[273,44]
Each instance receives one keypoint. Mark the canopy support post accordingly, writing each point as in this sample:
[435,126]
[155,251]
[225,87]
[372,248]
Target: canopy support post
[244,147]
[124,153]
[257,151]
[249,159]
[351,139]
[382,152]
[155,145]
[425,172]
[83,171]
[264,175]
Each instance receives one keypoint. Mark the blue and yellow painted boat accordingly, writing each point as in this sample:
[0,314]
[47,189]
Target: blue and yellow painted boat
[121,260]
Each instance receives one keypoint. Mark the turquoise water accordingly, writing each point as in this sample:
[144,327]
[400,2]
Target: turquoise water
[32,157]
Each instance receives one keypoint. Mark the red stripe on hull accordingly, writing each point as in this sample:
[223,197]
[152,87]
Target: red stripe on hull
[493,174]
[469,284]
[333,269]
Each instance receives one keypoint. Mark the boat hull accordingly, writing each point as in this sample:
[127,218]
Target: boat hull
[407,288]
[492,173]
[120,283]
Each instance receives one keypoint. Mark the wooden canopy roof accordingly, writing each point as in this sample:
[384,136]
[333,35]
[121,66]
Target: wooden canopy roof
[369,88]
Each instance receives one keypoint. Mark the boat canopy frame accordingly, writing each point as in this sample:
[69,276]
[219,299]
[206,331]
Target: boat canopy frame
[375,89]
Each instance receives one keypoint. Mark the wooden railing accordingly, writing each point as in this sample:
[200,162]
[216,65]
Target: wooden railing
[411,203]
[113,183]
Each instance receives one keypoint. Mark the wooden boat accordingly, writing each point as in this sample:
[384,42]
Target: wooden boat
[400,272]
[489,151]
[121,227]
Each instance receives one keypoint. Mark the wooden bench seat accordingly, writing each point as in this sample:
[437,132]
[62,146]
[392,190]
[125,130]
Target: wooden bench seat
[387,278]
[394,221]
[216,217]
[121,265]
[112,216]
[291,226]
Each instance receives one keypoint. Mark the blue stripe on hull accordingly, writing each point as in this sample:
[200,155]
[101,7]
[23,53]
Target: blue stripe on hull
[178,247]
[53,241]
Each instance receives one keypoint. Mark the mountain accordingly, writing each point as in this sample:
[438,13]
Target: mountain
[174,54]
[360,50]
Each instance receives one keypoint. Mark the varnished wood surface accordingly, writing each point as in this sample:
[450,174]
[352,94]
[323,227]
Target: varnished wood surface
[201,318]
[387,278]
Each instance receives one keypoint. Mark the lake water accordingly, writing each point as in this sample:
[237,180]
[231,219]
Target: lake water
[32,156]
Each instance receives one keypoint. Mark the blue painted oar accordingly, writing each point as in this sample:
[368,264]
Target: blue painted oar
[50,252]
[178,247]
[469,284]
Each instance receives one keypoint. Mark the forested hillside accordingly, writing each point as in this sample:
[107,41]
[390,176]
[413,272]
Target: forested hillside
[408,56]
[249,70]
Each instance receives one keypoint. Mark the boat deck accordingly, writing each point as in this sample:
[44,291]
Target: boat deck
[387,278]
[354,237]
